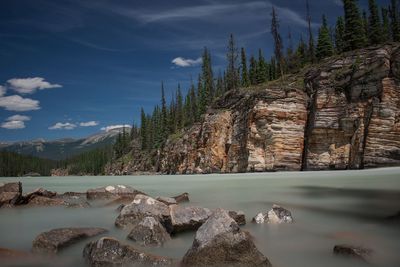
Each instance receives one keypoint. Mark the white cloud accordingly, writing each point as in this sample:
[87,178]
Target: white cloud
[63,126]
[18,118]
[183,62]
[113,127]
[89,124]
[15,122]
[2,90]
[17,103]
[30,85]
[13,125]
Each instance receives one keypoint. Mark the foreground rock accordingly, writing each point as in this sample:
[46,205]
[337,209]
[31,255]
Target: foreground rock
[353,252]
[10,193]
[42,197]
[276,215]
[53,241]
[144,206]
[188,218]
[167,200]
[149,232]
[220,242]
[184,197]
[112,191]
[45,201]
[238,216]
[110,252]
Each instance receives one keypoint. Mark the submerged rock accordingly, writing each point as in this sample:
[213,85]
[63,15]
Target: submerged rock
[276,215]
[144,206]
[112,191]
[110,252]
[10,193]
[187,218]
[184,197]
[220,242]
[149,232]
[167,200]
[54,240]
[238,216]
[353,252]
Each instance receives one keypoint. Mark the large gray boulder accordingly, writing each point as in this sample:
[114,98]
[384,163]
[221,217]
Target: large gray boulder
[144,206]
[276,215]
[188,218]
[149,232]
[38,196]
[220,242]
[112,192]
[10,193]
[110,252]
[53,241]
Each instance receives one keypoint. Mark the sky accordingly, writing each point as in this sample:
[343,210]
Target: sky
[71,68]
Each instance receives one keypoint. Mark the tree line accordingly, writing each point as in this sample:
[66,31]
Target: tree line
[356,29]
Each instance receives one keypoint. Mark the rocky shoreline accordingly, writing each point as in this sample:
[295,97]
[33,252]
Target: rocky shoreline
[152,222]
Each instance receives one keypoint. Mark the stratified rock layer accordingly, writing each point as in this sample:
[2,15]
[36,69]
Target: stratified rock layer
[343,113]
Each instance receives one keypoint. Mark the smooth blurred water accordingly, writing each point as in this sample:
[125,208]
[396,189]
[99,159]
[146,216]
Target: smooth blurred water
[328,207]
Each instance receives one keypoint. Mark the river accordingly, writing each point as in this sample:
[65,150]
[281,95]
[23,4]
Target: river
[329,207]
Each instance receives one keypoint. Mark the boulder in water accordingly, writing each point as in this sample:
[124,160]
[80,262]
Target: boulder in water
[108,251]
[10,193]
[353,252]
[53,241]
[112,191]
[184,197]
[167,200]
[221,242]
[276,215]
[144,206]
[149,232]
[238,216]
[188,218]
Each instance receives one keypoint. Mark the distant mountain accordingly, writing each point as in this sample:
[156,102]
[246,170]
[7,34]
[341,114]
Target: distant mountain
[61,148]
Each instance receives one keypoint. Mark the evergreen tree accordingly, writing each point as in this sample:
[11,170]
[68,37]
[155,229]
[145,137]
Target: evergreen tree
[301,52]
[143,129]
[193,103]
[290,55]
[354,34]
[365,26]
[385,25]
[339,35]
[277,41]
[324,47]
[202,98]
[273,75]
[179,109]
[164,114]
[207,75]
[253,71]
[220,85]
[375,27]
[232,77]
[311,45]
[261,68]
[394,21]
[245,74]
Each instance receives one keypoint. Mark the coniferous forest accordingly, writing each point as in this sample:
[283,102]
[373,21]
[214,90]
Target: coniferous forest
[356,29]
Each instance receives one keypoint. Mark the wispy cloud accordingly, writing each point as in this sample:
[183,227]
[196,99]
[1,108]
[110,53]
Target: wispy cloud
[18,103]
[2,90]
[63,126]
[114,127]
[89,124]
[186,62]
[15,122]
[30,85]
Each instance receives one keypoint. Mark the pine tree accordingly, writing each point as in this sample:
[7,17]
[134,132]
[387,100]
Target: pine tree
[273,70]
[143,129]
[179,109]
[301,52]
[277,41]
[385,25]
[220,85]
[232,78]
[394,21]
[354,35]
[375,27]
[253,71]
[164,114]
[193,102]
[365,26]
[245,74]
[324,47]
[201,96]
[339,35]
[207,76]
[290,55]
[311,44]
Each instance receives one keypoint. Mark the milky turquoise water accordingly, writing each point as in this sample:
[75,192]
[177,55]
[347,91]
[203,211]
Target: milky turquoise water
[328,207]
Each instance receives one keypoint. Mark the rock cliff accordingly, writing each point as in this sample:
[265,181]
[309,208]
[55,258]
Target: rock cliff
[341,114]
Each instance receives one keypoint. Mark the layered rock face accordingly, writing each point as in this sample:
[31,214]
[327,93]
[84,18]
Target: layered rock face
[341,114]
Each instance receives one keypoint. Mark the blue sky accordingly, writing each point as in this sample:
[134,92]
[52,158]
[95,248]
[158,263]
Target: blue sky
[70,68]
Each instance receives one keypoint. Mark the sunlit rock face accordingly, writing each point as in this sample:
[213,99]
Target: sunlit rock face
[343,113]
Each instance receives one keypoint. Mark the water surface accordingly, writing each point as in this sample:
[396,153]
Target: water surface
[328,207]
